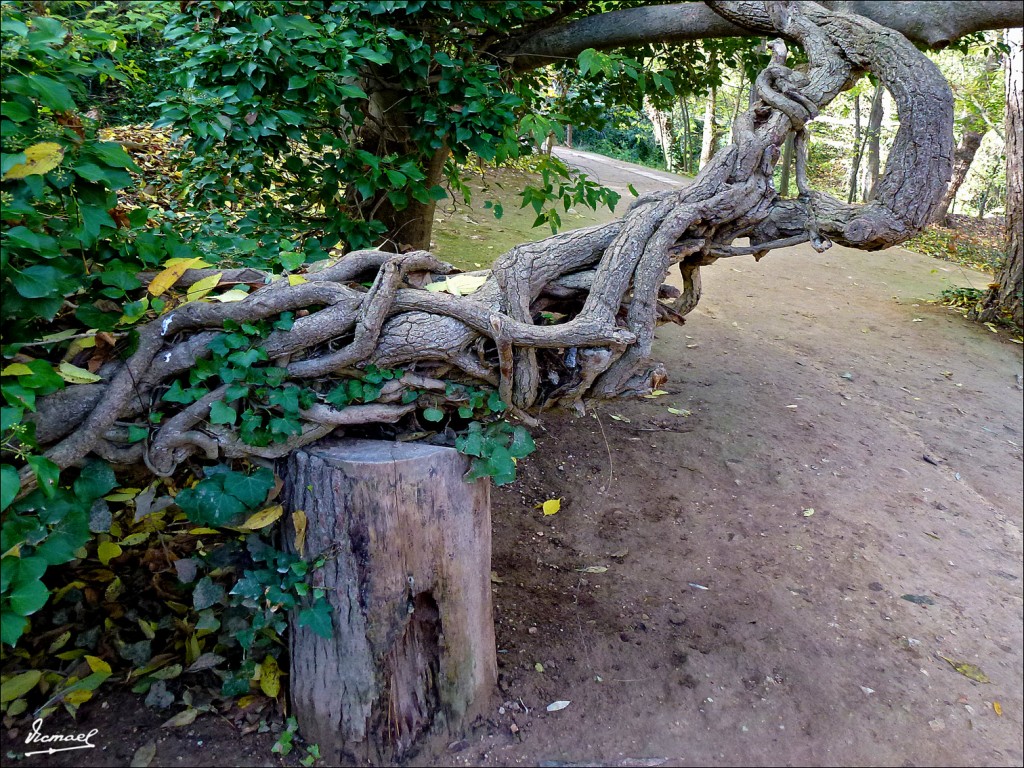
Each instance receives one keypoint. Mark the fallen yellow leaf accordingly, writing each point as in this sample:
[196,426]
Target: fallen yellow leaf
[459,285]
[202,287]
[264,517]
[551,506]
[299,521]
[970,671]
[655,393]
[997,708]
[234,294]
[270,677]
[164,280]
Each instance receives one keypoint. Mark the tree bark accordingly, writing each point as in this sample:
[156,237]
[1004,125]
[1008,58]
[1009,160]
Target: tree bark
[707,143]
[408,550]
[872,160]
[931,23]
[1005,300]
[962,159]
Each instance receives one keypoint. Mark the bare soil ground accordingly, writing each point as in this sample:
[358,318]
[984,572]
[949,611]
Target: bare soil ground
[733,625]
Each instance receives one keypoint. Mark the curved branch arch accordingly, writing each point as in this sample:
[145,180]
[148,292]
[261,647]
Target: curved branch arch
[607,279]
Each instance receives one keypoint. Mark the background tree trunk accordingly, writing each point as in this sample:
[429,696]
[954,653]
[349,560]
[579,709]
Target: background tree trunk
[858,150]
[707,144]
[1005,299]
[662,122]
[962,159]
[407,544]
[684,108]
[787,163]
[873,140]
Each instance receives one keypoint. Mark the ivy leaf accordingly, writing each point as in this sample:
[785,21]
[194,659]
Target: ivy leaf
[10,484]
[27,597]
[206,593]
[433,414]
[522,444]
[37,282]
[96,480]
[46,473]
[222,413]
[12,626]
[250,490]
[208,504]
[318,618]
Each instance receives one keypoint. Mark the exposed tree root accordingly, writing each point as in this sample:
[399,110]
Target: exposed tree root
[606,282]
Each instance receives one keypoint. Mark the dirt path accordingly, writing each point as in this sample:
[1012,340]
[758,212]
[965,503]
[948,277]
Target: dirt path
[732,626]
[821,382]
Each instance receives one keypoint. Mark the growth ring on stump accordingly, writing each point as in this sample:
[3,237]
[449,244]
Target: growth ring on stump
[407,574]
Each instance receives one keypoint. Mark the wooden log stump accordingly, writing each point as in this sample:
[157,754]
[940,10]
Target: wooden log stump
[408,578]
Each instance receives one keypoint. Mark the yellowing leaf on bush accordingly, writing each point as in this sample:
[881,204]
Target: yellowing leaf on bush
[551,506]
[164,280]
[107,551]
[299,521]
[235,294]
[123,494]
[77,698]
[97,664]
[459,285]
[202,287]
[16,369]
[194,262]
[39,159]
[19,685]
[200,531]
[270,677]
[72,374]
[263,518]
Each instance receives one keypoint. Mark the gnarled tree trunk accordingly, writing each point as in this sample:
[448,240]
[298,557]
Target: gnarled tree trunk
[604,281]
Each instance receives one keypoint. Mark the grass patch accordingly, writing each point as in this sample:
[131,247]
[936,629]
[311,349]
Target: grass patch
[470,237]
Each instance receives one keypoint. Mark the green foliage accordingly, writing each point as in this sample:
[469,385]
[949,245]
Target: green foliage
[47,527]
[626,135]
[494,449]
[967,299]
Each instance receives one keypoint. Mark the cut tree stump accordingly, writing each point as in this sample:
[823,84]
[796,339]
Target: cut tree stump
[408,545]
